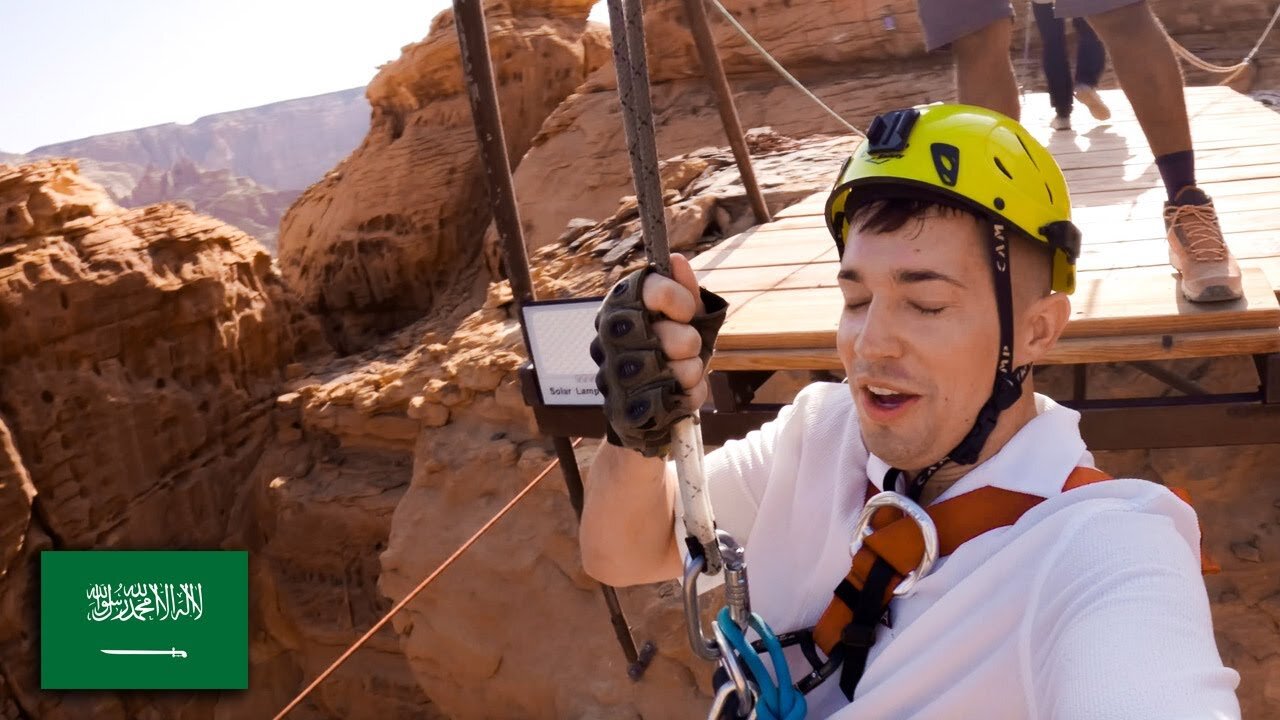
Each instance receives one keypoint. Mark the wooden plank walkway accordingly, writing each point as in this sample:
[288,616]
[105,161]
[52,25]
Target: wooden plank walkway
[785,304]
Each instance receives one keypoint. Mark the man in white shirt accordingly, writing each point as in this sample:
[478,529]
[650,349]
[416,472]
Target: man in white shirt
[957,254]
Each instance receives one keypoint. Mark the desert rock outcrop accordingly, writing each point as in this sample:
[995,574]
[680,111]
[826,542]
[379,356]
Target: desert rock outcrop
[390,233]
[238,201]
[141,355]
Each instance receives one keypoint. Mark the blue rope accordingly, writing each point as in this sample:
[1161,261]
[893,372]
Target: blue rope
[778,700]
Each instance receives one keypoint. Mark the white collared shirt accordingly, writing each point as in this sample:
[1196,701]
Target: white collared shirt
[1091,606]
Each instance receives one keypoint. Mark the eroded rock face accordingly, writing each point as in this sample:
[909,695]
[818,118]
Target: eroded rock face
[236,200]
[16,494]
[141,352]
[392,232]
[134,342]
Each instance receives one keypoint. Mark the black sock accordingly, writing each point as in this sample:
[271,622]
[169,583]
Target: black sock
[1178,170]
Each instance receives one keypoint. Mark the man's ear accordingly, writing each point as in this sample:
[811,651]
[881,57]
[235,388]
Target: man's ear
[1042,324]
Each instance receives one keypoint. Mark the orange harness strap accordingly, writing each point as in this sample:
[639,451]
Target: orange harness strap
[898,542]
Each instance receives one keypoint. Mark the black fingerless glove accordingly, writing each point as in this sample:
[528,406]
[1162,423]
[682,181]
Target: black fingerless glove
[642,398]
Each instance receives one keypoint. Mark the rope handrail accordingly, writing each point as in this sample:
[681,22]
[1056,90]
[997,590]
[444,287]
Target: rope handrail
[1236,69]
[1184,53]
[1232,71]
[777,66]
[422,585]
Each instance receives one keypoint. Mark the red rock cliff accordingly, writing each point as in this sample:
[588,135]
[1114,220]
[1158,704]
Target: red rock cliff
[392,232]
[141,352]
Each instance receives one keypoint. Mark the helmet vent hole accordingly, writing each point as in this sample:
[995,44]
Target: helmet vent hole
[946,161]
[1003,169]
[1028,152]
[1046,189]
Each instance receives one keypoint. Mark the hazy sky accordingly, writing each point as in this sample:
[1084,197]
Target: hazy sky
[74,68]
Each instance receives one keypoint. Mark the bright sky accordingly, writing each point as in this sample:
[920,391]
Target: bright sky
[75,68]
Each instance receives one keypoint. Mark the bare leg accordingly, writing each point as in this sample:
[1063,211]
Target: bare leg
[984,72]
[1149,73]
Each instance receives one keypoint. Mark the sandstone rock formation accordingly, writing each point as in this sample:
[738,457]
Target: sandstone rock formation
[237,201]
[141,355]
[16,494]
[389,233]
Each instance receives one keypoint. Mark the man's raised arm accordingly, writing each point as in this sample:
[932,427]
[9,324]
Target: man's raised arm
[655,336]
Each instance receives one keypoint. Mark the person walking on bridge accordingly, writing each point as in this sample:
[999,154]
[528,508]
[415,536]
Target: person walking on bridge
[1082,599]
[978,33]
[1055,60]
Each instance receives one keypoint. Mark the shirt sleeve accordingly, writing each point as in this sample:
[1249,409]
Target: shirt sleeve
[1123,628]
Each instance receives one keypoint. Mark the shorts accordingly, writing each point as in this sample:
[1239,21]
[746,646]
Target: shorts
[945,21]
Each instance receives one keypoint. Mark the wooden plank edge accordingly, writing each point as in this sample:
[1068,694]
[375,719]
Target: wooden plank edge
[1078,350]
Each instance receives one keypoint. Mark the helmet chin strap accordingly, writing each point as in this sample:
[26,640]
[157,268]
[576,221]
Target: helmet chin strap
[1008,382]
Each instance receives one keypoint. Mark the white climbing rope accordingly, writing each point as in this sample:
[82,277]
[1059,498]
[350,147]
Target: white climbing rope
[1234,70]
[626,21]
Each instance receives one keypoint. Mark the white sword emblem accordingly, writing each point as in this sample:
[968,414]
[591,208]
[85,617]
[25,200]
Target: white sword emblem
[171,652]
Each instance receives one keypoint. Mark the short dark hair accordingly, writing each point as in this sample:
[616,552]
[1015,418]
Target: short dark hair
[890,214]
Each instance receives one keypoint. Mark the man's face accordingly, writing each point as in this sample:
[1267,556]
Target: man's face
[919,335]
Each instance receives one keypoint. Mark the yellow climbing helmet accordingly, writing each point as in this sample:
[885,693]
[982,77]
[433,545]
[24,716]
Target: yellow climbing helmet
[968,156]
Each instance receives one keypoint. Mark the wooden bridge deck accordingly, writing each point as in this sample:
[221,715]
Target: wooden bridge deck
[780,277]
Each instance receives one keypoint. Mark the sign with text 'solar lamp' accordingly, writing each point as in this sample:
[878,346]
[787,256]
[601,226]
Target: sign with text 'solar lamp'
[559,335]
[153,620]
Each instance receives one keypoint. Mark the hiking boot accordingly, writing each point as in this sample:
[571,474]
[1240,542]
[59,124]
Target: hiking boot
[1197,250]
[1088,95]
[1060,122]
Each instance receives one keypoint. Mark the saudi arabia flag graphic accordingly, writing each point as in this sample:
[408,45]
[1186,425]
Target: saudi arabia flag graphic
[120,620]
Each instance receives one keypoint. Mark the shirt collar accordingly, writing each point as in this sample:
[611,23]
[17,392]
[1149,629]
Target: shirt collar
[1036,460]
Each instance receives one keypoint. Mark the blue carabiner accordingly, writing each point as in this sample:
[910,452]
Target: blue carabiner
[779,700]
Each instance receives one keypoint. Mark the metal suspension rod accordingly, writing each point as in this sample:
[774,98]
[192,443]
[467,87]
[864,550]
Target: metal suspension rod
[714,71]
[1186,386]
[637,660]
[626,23]
[626,20]
[473,41]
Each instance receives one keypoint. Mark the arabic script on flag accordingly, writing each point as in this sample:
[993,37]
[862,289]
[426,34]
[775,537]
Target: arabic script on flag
[145,601]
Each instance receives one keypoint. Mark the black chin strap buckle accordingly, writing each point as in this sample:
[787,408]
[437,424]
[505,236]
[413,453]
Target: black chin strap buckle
[1008,388]
[1065,236]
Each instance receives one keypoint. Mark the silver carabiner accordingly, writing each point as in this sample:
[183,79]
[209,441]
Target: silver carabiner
[738,679]
[737,594]
[721,699]
[703,646]
[928,531]
[717,705]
